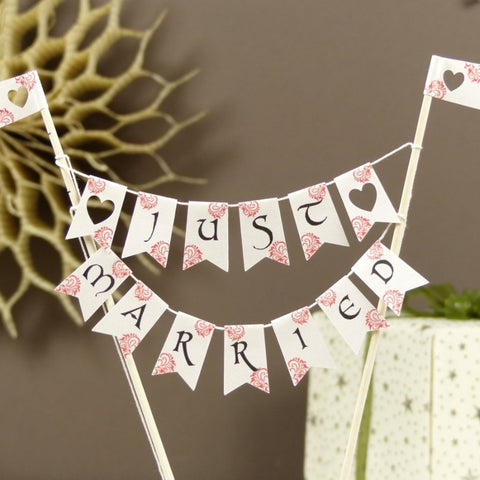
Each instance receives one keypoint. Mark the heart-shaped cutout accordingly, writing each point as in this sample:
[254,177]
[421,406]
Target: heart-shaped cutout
[99,211]
[18,97]
[453,80]
[364,198]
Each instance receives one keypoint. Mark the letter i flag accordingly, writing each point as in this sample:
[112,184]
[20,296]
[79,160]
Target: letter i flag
[350,312]
[185,348]
[262,232]
[151,227]
[316,219]
[95,280]
[106,193]
[387,275]
[245,358]
[20,97]
[365,199]
[132,317]
[206,236]
[301,343]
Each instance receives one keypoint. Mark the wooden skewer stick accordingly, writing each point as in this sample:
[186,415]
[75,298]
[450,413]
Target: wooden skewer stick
[128,364]
[396,246]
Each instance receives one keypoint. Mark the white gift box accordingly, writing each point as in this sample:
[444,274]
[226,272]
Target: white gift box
[425,420]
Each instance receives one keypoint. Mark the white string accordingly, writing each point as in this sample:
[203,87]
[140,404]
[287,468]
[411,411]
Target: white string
[68,167]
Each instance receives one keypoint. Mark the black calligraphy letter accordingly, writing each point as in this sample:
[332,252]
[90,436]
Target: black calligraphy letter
[241,353]
[308,218]
[138,317]
[101,275]
[182,342]
[343,312]
[297,332]
[263,229]
[385,278]
[155,220]
[215,231]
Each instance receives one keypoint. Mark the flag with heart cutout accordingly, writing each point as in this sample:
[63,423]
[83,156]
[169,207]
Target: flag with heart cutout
[365,199]
[455,81]
[109,197]
[20,97]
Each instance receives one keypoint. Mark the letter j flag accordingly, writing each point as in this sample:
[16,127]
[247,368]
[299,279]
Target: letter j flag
[387,275]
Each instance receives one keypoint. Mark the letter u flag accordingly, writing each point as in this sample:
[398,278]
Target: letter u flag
[262,232]
[95,280]
[350,312]
[245,357]
[387,275]
[132,317]
[185,348]
[20,97]
[301,343]
[206,235]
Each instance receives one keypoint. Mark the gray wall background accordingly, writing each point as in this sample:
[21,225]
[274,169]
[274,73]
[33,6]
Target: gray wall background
[298,92]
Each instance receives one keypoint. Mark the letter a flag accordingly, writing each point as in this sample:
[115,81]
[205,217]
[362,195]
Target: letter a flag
[387,275]
[151,227]
[132,317]
[262,232]
[185,348]
[301,343]
[95,280]
[206,236]
[20,97]
[316,219]
[365,199]
[350,312]
[455,81]
[245,359]
[106,193]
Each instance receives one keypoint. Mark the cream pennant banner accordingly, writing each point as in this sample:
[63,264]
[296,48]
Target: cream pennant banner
[350,312]
[301,343]
[110,195]
[365,199]
[262,232]
[245,358]
[387,275]
[206,236]
[151,227]
[454,81]
[20,97]
[95,280]
[132,317]
[316,219]
[185,348]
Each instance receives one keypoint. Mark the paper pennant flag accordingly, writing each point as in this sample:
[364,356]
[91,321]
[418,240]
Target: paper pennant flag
[245,358]
[95,280]
[301,343]
[132,317]
[455,81]
[206,236]
[387,275]
[350,312]
[151,227]
[316,219]
[110,194]
[185,348]
[20,97]
[262,232]
[365,199]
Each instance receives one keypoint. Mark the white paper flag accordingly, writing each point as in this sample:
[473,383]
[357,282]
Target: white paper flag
[245,358]
[387,275]
[350,312]
[20,97]
[454,81]
[151,227]
[132,317]
[95,280]
[316,219]
[364,208]
[110,194]
[206,236]
[262,232]
[185,348]
[301,343]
